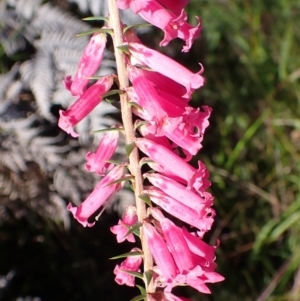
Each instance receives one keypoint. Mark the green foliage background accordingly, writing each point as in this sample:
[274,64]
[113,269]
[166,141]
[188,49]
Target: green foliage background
[250,50]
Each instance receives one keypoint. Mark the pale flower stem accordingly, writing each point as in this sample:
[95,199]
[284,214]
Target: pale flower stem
[135,169]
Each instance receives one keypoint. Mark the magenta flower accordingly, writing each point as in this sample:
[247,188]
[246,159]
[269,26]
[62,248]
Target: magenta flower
[177,245]
[102,193]
[135,6]
[89,63]
[177,191]
[168,67]
[183,212]
[131,264]
[129,219]
[173,164]
[194,273]
[97,162]
[165,84]
[160,252]
[168,115]
[84,105]
[173,25]
[174,6]
[199,247]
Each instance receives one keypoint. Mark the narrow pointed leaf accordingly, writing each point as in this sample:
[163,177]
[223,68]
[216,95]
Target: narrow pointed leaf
[142,289]
[94,31]
[114,103]
[134,104]
[108,130]
[148,276]
[145,161]
[124,48]
[115,162]
[135,274]
[113,92]
[140,123]
[137,26]
[127,255]
[95,19]
[120,180]
[134,229]
[129,148]
[146,199]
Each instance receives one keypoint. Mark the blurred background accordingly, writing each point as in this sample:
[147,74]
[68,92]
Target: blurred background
[250,51]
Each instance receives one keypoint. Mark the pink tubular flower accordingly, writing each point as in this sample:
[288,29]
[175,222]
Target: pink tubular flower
[135,6]
[165,84]
[193,272]
[175,165]
[160,252]
[168,115]
[102,193]
[174,6]
[97,162]
[183,212]
[199,247]
[89,63]
[84,105]
[177,191]
[131,264]
[177,244]
[129,219]
[173,25]
[168,67]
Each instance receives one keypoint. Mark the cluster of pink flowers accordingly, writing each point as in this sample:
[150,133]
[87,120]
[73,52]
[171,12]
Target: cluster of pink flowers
[170,135]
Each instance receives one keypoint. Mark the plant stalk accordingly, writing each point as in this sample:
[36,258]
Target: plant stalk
[115,24]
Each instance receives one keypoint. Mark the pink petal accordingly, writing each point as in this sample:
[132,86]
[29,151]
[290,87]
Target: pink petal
[89,63]
[168,67]
[177,191]
[177,244]
[129,219]
[132,264]
[160,252]
[102,192]
[97,162]
[179,210]
[174,6]
[84,105]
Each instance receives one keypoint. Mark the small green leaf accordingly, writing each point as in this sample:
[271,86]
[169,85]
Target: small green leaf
[120,180]
[124,48]
[129,148]
[114,103]
[99,30]
[137,26]
[129,254]
[142,289]
[138,298]
[115,162]
[135,274]
[140,123]
[146,199]
[133,229]
[148,276]
[108,130]
[134,104]
[145,161]
[99,18]
[113,92]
